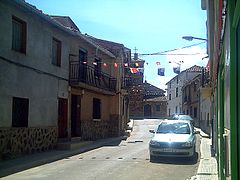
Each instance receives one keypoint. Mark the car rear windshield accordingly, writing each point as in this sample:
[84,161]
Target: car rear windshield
[173,128]
[183,117]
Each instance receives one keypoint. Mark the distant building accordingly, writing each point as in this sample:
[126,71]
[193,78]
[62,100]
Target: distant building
[155,107]
[147,101]
[174,89]
[191,98]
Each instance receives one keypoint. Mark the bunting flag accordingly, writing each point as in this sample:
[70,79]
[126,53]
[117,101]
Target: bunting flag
[115,65]
[176,69]
[158,63]
[104,64]
[141,70]
[161,71]
[125,64]
[134,70]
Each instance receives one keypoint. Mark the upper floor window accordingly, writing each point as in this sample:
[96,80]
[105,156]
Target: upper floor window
[170,96]
[83,56]
[177,79]
[177,92]
[19,35]
[170,85]
[97,67]
[56,52]
[195,87]
[158,107]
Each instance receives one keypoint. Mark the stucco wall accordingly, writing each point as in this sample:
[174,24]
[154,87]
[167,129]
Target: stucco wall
[31,75]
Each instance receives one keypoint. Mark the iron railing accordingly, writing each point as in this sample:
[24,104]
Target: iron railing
[83,73]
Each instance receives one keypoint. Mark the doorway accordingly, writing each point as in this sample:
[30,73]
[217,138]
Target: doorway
[147,110]
[62,117]
[75,116]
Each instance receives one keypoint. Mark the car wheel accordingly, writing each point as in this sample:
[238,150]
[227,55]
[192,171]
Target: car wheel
[152,158]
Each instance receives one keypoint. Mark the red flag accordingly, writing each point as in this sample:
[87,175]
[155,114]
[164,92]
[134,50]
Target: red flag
[134,70]
[115,65]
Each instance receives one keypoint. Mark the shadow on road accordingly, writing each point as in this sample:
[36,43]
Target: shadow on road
[176,160]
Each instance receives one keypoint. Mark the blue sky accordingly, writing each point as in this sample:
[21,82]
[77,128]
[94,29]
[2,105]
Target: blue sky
[149,25]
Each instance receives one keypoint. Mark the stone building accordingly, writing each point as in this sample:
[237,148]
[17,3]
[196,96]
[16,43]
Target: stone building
[155,107]
[147,101]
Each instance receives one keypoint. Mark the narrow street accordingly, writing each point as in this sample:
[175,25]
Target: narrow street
[127,160]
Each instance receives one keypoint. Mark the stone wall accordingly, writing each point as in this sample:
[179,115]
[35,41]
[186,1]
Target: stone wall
[19,141]
[92,130]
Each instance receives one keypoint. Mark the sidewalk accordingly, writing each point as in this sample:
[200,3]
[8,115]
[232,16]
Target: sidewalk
[22,163]
[207,169]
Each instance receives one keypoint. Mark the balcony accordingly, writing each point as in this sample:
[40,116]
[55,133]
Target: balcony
[82,73]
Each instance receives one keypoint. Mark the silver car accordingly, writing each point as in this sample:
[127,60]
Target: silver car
[173,138]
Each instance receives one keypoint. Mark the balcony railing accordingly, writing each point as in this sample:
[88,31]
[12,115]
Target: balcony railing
[86,74]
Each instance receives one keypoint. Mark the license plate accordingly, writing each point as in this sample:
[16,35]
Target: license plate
[167,150]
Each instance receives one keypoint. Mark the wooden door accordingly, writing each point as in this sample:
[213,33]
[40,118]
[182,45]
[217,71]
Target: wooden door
[62,117]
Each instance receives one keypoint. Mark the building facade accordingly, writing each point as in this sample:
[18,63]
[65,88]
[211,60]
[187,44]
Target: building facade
[174,89]
[147,101]
[191,99]
[33,77]
[56,83]
[223,28]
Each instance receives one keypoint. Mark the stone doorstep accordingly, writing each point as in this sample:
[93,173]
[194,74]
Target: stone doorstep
[72,145]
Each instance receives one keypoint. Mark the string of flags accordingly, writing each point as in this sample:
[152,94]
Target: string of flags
[135,66]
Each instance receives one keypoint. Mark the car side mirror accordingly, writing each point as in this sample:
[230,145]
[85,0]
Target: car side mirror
[151,131]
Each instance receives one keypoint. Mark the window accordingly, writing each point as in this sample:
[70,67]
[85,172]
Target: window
[97,67]
[177,92]
[195,87]
[170,96]
[177,79]
[20,107]
[170,85]
[158,107]
[191,111]
[83,56]
[176,109]
[96,108]
[195,112]
[19,35]
[56,52]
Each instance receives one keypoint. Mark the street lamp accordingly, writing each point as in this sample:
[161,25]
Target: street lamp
[190,38]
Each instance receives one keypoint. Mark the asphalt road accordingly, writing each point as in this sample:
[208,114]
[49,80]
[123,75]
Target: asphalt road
[125,160]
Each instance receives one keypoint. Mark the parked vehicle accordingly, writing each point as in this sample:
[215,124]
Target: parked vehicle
[173,138]
[181,117]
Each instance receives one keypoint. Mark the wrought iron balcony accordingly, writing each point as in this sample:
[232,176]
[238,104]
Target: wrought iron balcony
[82,73]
